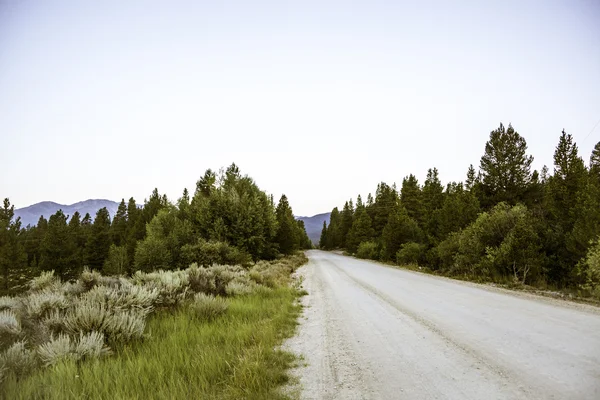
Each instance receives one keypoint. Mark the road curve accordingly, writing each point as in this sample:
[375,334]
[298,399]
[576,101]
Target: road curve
[374,332]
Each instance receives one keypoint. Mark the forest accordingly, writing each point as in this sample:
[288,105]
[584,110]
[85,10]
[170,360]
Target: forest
[228,220]
[505,223]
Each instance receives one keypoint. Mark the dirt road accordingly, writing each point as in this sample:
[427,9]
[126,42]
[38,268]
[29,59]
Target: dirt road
[373,332]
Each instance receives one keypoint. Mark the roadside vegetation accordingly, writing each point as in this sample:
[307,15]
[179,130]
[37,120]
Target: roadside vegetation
[167,300]
[205,332]
[505,223]
[227,220]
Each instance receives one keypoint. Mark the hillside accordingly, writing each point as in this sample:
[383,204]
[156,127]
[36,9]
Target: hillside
[314,225]
[30,215]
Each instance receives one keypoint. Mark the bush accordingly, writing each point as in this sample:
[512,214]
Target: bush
[368,250]
[10,327]
[46,280]
[588,269]
[40,304]
[90,345]
[411,253]
[8,303]
[207,253]
[208,307]
[18,360]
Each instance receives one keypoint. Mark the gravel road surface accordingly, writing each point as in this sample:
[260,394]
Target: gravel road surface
[373,332]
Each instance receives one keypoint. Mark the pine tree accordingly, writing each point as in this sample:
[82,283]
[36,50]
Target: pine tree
[323,239]
[334,237]
[400,228]
[564,191]
[433,200]
[361,230]
[386,200]
[99,242]
[505,167]
[12,254]
[118,229]
[286,227]
[346,217]
[411,197]
[471,178]
[58,251]
[78,240]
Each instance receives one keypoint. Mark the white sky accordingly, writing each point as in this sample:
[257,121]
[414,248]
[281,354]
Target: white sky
[319,100]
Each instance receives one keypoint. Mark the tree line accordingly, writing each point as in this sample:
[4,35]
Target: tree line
[229,219]
[504,223]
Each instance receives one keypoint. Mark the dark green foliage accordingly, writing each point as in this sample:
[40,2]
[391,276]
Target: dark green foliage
[334,233]
[98,242]
[505,223]
[346,218]
[566,205]
[58,250]
[165,237]
[287,229]
[361,230]
[116,263]
[304,241]
[411,197]
[229,220]
[233,209]
[118,229]
[323,239]
[207,253]
[400,228]
[368,250]
[13,258]
[411,253]
[433,200]
[505,167]
[386,201]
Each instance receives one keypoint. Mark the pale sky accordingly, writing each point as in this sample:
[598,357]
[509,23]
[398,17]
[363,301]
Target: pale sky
[319,100]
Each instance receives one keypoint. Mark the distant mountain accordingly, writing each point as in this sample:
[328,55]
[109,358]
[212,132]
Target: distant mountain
[30,215]
[314,225]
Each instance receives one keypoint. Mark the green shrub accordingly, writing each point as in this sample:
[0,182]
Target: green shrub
[368,250]
[208,307]
[588,269]
[207,253]
[411,253]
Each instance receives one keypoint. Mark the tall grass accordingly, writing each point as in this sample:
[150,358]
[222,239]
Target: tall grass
[196,329]
[233,356]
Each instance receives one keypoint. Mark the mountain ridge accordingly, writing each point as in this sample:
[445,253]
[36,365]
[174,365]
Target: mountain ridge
[31,214]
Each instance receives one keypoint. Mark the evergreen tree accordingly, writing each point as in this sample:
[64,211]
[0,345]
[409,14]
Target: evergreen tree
[595,163]
[58,251]
[433,200]
[505,167]
[401,228]
[564,191]
[323,239]
[334,237]
[286,235]
[471,178]
[118,229]
[78,240]
[386,199]
[411,197]
[361,230]
[98,243]
[346,218]
[12,254]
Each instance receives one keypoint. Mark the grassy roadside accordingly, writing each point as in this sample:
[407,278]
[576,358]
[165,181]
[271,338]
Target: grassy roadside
[233,356]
